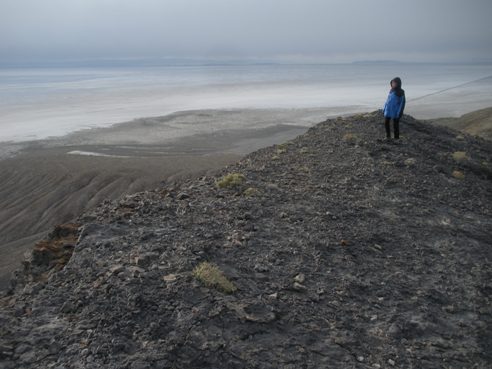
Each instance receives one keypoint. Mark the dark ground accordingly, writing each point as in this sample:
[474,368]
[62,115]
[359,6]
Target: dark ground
[43,185]
[347,251]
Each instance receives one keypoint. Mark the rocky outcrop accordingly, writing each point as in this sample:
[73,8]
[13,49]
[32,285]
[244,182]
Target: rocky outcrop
[334,250]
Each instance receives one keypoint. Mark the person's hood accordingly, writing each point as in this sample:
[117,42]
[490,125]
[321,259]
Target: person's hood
[398,90]
[398,82]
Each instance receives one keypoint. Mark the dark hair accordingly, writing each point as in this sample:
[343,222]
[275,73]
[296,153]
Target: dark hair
[398,90]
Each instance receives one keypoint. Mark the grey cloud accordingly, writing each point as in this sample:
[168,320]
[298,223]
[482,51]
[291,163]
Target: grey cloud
[31,29]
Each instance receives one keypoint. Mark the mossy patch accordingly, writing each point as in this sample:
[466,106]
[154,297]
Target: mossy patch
[459,156]
[250,191]
[283,146]
[458,174]
[231,180]
[410,162]
[211,276]
[350,138]
[281,151]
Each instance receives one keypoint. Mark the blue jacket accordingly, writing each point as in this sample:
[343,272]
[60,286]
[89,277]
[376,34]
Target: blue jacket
[394,106]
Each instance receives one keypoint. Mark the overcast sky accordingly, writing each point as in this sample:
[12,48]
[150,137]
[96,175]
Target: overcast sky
[337,30]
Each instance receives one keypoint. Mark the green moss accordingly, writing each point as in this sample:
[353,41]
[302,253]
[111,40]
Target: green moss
[211,276]
[231,180]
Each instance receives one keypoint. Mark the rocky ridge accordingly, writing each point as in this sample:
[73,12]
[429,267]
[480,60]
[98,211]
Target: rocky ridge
[341,250]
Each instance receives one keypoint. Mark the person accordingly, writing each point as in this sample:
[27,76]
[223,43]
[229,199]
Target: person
[393,108]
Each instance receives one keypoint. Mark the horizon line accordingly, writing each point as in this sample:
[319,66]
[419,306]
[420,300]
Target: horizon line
[210,61]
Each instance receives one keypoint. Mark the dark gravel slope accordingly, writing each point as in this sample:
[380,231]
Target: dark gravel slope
[345,251]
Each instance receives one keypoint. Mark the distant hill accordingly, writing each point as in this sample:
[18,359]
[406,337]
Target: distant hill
[477,123]
[337,249]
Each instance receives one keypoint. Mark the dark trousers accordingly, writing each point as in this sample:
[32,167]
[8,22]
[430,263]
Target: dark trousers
[396,127]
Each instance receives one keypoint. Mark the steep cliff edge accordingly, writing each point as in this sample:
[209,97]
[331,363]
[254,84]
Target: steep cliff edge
[334,250]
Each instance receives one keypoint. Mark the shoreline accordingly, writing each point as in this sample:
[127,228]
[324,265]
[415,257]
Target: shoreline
[182,123]
[436,108]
